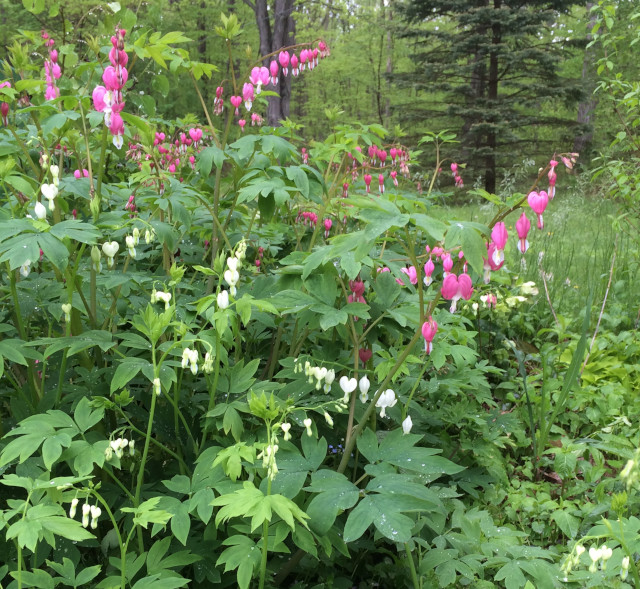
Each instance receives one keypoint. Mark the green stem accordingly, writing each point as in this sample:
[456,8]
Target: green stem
[265,529]
[123,548]
[147,441]
[103,151]
[212,392]
[412,566]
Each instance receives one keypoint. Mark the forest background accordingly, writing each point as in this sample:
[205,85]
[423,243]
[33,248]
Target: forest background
[514,81]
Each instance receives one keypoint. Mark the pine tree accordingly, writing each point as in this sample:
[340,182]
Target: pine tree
[494,63]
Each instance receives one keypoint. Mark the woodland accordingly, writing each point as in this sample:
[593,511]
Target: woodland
[323,294]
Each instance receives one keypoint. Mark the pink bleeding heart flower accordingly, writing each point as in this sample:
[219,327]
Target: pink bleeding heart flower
[242,123]
[394,177]
[273,69]
[381,183]
[412,273]
[195,134]
[447,264]
[429,329]
[499,238]
[522,227]
[236,101]
[259,77]
[248,95]
[283,58]
[367,181]
[454,288]
[538,202]
[490,264]
[552,178]
[295,65]
[327,227]
[429,267]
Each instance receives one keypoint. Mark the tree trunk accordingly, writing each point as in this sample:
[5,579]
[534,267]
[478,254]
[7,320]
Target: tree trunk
[492,140]
[587,107]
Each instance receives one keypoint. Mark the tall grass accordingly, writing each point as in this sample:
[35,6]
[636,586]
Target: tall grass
[574,250]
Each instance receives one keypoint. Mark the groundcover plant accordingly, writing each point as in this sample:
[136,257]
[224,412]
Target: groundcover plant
[234,359]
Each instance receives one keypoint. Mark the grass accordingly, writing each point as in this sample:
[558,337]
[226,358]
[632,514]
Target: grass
[574,250]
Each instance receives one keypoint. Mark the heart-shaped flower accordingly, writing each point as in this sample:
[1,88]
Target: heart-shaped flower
[348,385]
[110,248]
[232,263]
[232,277]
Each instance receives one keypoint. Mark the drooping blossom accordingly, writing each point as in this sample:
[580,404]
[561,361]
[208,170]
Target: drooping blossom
[490,264]
[327,227]
[357,292]
[447,265]
[4,106]
[552,178]
[283,58]
[522,227]
[295,65]
[386,399]
[499,238]
[429,267]
[394,177]
[196,135]
[365,355]
[236,101]
[407,424]
[259,77]
[248,95]
[273,70]
[256,119]
[538,202]
[242,123]
[454,288]
[429,329]
[412,273]
[218,102]
[367,182]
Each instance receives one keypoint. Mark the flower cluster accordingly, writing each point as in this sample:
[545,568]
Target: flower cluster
[263,76]
[51,68]
[118,446]
[108,98]
[324,377]
[190,358]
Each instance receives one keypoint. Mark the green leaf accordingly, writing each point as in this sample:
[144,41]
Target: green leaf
[512,576]
[334,493]
[430,226]
[158,582]
[569,524]
[208,157]
[85,417]
[359,520]
[126,371]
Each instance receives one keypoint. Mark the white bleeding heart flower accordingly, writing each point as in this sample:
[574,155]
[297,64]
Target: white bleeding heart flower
[348,385]
[232,264]
[41,210]
[232,277]
[49,191]
[407,424]
[110,248]
[386,399]
[55,174]
[223,299]
[364,386]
